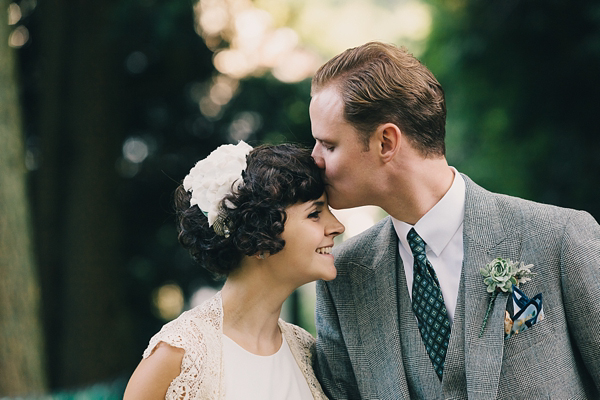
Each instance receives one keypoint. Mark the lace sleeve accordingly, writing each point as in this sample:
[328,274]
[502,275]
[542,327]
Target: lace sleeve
[198,333]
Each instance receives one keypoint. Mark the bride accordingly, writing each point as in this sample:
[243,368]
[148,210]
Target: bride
[259,217]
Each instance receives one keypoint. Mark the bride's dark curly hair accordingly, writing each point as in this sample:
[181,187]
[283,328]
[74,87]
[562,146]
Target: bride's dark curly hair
[275,178]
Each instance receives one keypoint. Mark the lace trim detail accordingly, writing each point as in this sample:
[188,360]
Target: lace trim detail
[199,332]
[303,347]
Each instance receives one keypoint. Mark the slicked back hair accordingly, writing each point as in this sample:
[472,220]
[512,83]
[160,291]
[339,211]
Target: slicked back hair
[380,83]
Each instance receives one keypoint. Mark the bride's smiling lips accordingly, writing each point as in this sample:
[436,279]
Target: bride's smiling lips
[325,250]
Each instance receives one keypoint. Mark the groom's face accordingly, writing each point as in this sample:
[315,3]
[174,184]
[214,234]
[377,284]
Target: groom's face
[339,151]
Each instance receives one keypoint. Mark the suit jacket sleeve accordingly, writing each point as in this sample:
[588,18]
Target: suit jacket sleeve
[333,367]
[580,269]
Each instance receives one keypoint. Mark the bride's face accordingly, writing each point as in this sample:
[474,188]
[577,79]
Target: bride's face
[309,231]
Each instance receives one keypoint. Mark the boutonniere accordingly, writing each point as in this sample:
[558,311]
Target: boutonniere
[499,276]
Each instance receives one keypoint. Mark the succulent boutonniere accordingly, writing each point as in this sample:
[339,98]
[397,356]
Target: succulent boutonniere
[499,276]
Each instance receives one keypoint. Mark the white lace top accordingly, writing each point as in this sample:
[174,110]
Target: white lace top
[199,332]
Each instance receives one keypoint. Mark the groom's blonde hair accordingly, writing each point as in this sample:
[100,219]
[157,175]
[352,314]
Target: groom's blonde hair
[381,83]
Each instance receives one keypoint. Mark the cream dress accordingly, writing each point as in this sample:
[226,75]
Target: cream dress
[199,332]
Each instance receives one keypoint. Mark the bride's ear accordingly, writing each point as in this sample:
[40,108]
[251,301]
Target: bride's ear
[389,140]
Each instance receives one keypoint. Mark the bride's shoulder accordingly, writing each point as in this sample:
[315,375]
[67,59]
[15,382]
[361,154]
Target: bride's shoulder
[209,314]
[194,327]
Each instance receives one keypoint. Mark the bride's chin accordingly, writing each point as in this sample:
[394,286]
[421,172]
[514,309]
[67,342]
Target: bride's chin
[331,274]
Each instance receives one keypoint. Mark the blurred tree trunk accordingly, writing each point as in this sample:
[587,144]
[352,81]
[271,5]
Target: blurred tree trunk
[21,349]
[80,127]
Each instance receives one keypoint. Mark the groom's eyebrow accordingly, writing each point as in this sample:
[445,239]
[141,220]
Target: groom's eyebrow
[323,141]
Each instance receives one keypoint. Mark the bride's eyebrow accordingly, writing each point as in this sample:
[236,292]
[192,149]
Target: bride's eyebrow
[316,203]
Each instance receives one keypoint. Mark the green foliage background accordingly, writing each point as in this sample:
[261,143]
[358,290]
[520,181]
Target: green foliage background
[521,81]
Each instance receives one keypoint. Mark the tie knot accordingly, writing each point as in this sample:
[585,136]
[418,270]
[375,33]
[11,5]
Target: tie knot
[416,243]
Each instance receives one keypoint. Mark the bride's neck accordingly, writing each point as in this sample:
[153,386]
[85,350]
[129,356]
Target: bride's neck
[251,309]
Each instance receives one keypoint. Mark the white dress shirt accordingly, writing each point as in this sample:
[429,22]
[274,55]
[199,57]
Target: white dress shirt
[442,230]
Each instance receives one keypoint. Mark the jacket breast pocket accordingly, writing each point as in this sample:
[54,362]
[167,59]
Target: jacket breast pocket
[527,343]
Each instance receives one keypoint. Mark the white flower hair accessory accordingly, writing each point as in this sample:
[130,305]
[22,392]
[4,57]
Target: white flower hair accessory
[213,178]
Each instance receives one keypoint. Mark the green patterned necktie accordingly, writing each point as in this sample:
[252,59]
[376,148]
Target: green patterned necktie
[428,305]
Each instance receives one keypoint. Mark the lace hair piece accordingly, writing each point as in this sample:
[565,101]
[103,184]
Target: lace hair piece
[213,177]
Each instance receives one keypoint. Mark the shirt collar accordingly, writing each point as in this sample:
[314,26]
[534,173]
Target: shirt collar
[438,225]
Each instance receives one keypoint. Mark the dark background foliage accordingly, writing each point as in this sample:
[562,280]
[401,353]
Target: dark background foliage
[521,83]
[95,78]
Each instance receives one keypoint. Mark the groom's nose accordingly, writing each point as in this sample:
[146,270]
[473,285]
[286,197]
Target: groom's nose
[316,155]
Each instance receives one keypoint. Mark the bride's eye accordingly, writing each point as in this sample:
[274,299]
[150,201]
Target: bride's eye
[315,214]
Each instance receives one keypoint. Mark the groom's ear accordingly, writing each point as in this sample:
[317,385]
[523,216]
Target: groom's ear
[389,140]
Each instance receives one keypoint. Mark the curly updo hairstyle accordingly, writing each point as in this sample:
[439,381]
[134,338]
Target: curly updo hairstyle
[275,178]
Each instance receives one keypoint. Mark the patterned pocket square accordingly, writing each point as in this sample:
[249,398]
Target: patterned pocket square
[522,312]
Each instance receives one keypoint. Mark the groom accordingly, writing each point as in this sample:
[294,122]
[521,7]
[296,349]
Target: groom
[403,318]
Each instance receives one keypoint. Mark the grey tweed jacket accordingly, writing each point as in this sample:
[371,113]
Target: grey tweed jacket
[359,329]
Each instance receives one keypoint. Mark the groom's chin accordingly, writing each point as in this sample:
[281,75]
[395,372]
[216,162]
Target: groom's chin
[337,201]
[334,198]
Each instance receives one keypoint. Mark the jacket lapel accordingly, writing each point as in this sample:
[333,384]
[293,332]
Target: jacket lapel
[485,238]
[376,298]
